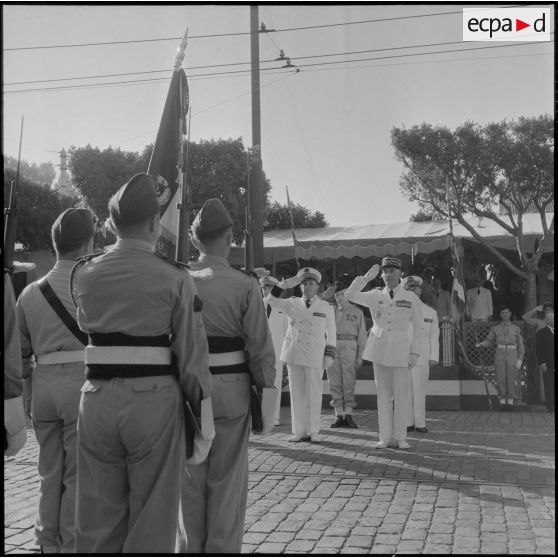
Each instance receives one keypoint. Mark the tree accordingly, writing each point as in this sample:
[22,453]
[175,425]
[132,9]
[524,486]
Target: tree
[42,174]
[37,209]
[98,174]
[472,169]
[278,217]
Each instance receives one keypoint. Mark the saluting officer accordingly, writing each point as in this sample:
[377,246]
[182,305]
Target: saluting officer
[429,348]
[147,343]
[214,494]
[49,331]
[351,340]
[392,347]
[309,347]
[278,324]
[507,358]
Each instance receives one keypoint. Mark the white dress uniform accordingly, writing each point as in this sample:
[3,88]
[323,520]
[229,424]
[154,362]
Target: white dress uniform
[278,325]
[479,300]
[310,330]
[429,348]
[389,345]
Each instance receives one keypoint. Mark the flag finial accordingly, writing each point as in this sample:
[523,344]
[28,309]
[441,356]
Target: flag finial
[180,52]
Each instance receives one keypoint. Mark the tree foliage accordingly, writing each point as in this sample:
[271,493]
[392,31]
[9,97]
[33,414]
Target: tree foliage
[37,209]
[97,174]
[279,217]
[42,173]
[473,169]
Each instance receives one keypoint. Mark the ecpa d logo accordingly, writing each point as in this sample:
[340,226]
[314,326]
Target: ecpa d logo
[506,24]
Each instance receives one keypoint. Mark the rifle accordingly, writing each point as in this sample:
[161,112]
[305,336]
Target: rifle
[10,215]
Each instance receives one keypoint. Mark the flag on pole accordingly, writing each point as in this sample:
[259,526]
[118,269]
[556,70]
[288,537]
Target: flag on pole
[166,163]
[291,219]
[458,296]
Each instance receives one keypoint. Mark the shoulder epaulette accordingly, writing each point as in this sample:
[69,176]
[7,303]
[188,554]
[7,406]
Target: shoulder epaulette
[176,263]
[81,261]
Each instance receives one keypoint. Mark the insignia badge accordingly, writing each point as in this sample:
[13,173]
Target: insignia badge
[403,303]
[162,189]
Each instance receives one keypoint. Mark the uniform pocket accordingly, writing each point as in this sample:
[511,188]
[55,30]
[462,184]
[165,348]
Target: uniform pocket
[152,384]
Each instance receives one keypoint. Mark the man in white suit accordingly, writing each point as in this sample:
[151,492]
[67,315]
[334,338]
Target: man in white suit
[392,346]
[309,347]
[428,355]
[278,324]
[479,300]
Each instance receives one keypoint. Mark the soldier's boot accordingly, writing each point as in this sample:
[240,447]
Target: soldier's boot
[350,422]
[339,422]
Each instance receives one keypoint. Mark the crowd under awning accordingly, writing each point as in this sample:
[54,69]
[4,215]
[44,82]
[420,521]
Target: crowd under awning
[408,237]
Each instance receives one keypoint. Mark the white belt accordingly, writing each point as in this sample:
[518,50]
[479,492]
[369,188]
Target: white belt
[506,346]
[226,359]
[127,355]
[61,357]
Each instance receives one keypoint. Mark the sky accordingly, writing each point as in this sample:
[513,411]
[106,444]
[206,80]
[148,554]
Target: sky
[325,129]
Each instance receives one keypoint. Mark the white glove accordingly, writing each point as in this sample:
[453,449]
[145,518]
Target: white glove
[328,361]
[518,364]
[261,272]
[201,450]
[413,360]
[372,273]
[290,282]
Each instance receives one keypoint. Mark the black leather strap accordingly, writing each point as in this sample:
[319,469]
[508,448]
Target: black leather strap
[61,312]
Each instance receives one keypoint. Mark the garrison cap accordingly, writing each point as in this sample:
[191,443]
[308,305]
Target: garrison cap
[388,261]
[548,306]
[268,280]
[72,229]
[309,273]
[136,201]
[212,217]
[412,281]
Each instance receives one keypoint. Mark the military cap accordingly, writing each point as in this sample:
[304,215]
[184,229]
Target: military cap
[268,280]
[412,281]
[72,229]
[548,306]
[212,217]
[309,273]
[136,201]
[388,261]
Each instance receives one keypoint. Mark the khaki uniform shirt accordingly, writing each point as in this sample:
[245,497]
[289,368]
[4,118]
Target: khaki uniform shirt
[12,348]
[349,320]
[131,290]
[232,307]
[505,334]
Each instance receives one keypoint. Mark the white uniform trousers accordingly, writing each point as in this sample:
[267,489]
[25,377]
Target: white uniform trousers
[392,384]
[131,451]
[215,492]
[305,387]
[55,406]
[278,384]
[417,406]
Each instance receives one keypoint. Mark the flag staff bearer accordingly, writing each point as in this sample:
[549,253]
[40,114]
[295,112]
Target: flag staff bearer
[308,349]
[49,332]
[391,346]
[278,324]
[428,355]
[507,358]
[147,343]
[215,493]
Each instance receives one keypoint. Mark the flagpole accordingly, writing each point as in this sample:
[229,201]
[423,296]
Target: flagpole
[182,243]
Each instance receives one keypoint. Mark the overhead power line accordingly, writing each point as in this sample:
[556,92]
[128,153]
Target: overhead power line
[208,66]
[214,35]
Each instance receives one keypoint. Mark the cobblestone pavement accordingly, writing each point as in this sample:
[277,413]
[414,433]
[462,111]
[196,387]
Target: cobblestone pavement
[476,483]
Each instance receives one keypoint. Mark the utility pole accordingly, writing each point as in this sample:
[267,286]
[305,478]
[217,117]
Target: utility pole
[256,179]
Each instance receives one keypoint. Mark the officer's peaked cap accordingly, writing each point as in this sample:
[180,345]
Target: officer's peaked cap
[268,280]
[136,201]
[309,273]
[412,281]
[388,261]
[212,217]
